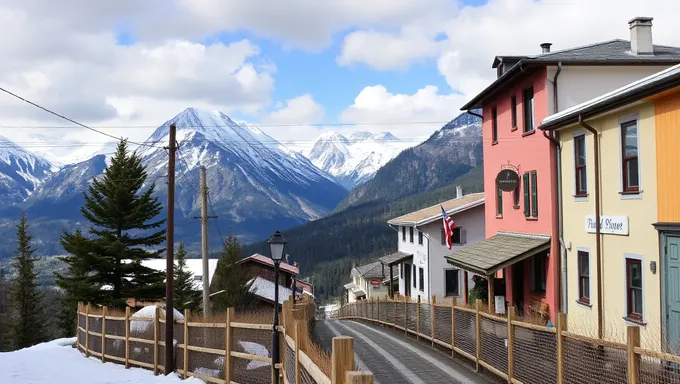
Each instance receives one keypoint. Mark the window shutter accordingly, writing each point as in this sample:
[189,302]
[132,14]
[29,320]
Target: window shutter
[463,236]
[443,236]
[527,205]
[534,195]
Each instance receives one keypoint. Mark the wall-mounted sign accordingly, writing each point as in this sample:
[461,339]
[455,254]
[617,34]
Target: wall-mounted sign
[422,257]
[611,225]
[507,180]
[375,283]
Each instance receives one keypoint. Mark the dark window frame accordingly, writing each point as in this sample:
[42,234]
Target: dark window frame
[410,236]
[457,236]
[513,109]
[403,233]
[413,268]
[580,190]
[529,110]
[539,274]
[630,289]
[420,237]
[534,194]
[583,279]
[421,280]
[515,197]
[527,194]
[499,202]
[627,159]
[455,284]
[494,126]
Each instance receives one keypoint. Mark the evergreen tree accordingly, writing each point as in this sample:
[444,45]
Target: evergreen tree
[5,319]
[29,316]
[230,277]
[106,267]
[185,296]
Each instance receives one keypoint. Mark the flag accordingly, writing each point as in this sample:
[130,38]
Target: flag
[449,225]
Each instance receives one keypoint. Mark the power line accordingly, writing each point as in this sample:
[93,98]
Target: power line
[331,124]
[65,118]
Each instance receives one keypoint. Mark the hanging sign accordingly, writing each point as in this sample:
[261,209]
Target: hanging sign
[375,283]
[611,225]
[507,180]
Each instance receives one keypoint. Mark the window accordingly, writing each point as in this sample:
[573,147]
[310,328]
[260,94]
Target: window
[583,277]
[410,234]
[529,110]
[513,110]
[456,236]
[413,267]
[422,279]
[534,195]
[451,282]
[580,173]
[629,156]
[494,126]
[538,273]
[515,197]
[403,233]
[527,197]
[198,277]
[634,288]
[499,201]
[420,237]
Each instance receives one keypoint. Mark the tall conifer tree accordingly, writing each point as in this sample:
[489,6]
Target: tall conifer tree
[185,295]
[230,278]
[5,307]
[29,316]
[124,229]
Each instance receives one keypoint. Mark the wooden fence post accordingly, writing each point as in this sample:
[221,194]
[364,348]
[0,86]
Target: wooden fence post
[406,316]
[633,341]
[432,321]
[127,337]
[378,306]
[394,317]
[104,310]
[356,377]
[185,366]
[561,326]
[342,358]
[87,330]
[511,343]
[228,341]
[453,327]
[156,332]
[418,319]
[298,333]
[478,333]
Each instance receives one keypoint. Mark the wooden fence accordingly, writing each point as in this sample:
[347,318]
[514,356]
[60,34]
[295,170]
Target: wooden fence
[226,351]
[517,351]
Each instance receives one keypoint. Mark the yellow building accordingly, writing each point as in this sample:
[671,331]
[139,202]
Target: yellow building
[619,163]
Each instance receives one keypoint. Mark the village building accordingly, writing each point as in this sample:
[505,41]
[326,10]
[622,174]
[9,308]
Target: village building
[422,245]
[522,255]
[620,156]
[369,281]
[260,271]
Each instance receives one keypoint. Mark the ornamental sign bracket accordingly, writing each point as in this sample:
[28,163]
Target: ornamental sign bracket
[507,178]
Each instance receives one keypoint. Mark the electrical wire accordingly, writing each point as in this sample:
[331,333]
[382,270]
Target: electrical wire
[66,118]
[331,124]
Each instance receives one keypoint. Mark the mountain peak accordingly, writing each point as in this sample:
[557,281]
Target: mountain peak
[333,137]
[361,135]
[384,136]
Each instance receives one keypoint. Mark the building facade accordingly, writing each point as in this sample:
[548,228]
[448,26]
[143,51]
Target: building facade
[619,168]
[423,270]
[529,89]
[368,282]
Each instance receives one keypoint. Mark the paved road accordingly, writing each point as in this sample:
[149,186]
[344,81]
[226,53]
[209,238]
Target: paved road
[393,358]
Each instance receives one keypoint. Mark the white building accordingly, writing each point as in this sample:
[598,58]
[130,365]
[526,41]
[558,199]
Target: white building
[368,281]
[422,246]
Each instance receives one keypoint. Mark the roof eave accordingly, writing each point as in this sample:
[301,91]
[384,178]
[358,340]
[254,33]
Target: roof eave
[454,211]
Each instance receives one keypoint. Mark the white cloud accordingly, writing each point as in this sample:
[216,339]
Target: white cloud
[383,51]
[298,110]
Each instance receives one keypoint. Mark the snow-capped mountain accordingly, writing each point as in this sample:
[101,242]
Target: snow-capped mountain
[21,172]
[256,185]
[355,159]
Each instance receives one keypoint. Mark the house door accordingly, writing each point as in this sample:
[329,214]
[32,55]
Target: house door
[518,287]
[672,292]
[407,280]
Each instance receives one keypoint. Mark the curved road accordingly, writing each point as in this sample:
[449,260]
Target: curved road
[393,358]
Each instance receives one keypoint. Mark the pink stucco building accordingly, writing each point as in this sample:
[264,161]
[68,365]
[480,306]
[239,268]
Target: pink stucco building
[522,255]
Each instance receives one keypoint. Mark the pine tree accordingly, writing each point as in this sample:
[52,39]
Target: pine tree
[29,317]
[106,267]
[5,320]
[230,277]
[185,296]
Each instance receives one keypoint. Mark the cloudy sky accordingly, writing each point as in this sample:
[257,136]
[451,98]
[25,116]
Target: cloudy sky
[295,67]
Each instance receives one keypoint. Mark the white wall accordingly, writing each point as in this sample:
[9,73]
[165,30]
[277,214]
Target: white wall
[577,84]
[430,255]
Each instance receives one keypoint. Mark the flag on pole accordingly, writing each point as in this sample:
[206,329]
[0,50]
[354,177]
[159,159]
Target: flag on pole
[449,225]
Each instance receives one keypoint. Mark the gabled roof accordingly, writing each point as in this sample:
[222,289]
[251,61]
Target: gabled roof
[264,289]
[611,52]
[369,271]
[269,262]
[432,213]
[628,94]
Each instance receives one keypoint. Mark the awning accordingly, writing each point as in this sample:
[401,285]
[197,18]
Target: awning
[495,253]
[395,258]
[356,291]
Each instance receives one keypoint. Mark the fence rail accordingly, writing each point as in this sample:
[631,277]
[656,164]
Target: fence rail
[517,351]
[221,352]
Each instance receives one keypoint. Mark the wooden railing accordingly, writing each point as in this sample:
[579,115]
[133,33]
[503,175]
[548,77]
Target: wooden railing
[518,351]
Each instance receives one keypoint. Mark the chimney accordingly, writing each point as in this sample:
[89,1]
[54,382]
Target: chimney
[641,36]
[545,47]
[459,191]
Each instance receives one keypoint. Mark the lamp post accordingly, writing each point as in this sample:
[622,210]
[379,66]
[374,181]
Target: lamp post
[277,245]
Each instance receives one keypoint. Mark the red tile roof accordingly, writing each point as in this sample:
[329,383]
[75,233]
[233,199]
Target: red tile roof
[269,262]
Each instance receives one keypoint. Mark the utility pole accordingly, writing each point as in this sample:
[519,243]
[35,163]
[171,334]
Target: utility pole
[169,362]
[204,243]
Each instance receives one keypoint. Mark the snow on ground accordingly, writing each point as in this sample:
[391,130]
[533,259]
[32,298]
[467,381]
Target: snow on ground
[56,362]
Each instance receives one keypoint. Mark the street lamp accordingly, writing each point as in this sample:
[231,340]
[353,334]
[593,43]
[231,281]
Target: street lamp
[277,245]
